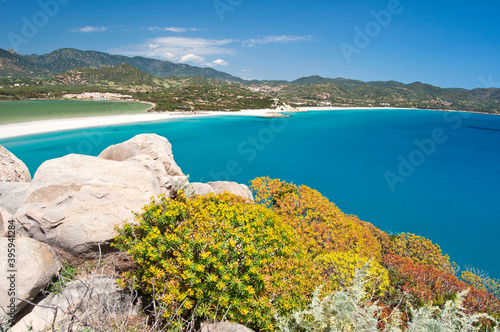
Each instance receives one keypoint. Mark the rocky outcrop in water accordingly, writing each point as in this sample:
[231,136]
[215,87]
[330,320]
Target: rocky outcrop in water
[11,168]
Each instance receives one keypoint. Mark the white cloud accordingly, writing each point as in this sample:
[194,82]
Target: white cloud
[170,57]
[192,58]
[107,28]
[170,29]
[201,61]
[220,62]
[181,49]
[246,70]
[180,46]
[175,48]
[276,39]
[153,46]
[88,29]
[196,50]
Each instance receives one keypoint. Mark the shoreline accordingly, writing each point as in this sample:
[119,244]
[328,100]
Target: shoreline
[27,128]
[55,125]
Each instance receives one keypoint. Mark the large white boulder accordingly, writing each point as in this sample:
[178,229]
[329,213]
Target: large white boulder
[93,301]
[11,168]
[12,195]
[154,153]
[232,187]
[224,327]
[33,268]
[201,189]
[5,216]
[158,148]
[75,202]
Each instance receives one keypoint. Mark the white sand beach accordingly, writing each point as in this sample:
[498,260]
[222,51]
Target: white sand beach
[331,108]
[54,125]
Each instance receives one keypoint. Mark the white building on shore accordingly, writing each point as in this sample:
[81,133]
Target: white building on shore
[98,96]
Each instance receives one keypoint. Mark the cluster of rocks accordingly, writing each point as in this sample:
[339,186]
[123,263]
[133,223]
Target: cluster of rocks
[271,115]
[72,205]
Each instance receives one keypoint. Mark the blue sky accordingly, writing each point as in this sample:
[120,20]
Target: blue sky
[445,43]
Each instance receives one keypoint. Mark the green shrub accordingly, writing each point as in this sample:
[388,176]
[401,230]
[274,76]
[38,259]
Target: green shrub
[67,274]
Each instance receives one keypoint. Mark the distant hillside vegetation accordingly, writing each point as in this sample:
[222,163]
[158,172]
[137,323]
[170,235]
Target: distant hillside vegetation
[123,74]
[65,59]
[13,64]
[70,70]
[340,90]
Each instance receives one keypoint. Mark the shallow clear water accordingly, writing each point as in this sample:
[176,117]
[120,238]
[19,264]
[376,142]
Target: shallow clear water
[29,110]
[435,174]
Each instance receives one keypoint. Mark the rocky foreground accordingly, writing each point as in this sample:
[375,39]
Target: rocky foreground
[70,209]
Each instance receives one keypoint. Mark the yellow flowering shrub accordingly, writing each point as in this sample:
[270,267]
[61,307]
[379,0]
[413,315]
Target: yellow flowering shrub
[382,237]
[421,250]
[321,225]
[215,255]
[338,269]
[220,257]
[483,283]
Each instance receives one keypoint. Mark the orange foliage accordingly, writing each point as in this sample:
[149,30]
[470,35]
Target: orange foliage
[421,250]
[321,225]
[432,285]
[381,236]
[416,266]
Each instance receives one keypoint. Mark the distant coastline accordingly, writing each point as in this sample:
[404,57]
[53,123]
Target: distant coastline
[61,124]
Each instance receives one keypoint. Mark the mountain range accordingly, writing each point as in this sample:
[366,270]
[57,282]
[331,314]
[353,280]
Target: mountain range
[62,60]
[68,67]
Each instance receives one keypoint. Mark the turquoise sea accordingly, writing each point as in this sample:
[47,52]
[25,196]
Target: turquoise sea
[436,174]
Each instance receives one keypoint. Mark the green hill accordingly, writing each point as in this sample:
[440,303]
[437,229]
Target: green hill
[15,65]
[121,75]
[315,79]
[345,92]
